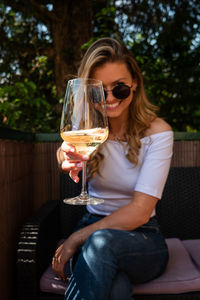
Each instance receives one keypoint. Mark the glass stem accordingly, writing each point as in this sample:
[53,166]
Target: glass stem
[84,194]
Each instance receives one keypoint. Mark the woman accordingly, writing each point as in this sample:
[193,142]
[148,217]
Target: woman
[118,242]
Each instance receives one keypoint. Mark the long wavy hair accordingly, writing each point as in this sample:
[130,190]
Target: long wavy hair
[141,112]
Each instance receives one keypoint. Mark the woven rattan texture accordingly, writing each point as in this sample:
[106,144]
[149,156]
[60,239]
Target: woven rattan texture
[37,242]
[178,212]
[69,214]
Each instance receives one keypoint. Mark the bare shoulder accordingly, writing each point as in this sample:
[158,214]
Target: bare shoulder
[158,125]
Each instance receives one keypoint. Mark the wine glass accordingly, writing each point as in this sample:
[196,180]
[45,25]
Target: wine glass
[84,124]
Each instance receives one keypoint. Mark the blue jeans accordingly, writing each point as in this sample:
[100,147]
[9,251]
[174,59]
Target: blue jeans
[111,261]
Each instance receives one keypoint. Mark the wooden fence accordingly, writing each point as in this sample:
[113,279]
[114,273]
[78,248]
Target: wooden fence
[29,177]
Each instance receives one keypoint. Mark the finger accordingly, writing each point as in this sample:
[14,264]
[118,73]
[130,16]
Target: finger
[59,273]
[68,166]
[69,151]
[67,147]
[58,267]
[59,270]
[74,176]
[74,156]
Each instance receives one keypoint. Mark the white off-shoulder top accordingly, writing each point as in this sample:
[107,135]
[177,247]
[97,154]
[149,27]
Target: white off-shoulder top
[119,178]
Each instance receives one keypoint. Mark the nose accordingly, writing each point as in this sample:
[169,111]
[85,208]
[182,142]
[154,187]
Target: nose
[108,95]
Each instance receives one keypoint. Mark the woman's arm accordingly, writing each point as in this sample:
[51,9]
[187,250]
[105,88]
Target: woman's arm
[128,217]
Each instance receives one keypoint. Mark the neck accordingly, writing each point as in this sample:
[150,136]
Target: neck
[117,129]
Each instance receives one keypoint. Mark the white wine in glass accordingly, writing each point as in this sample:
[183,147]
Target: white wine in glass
[84,124]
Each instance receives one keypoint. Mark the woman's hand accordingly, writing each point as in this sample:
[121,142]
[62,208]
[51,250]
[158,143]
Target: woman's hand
[71,161]
[63,254]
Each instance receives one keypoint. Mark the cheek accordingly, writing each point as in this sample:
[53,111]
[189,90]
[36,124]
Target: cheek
[127,101]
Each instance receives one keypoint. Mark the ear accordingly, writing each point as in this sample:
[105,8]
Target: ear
[135,84]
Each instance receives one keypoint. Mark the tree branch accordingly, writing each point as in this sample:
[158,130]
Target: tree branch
[40,12]
[49,52]
[25,49]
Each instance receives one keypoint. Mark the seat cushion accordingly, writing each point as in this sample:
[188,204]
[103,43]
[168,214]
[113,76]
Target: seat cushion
[193,248]
[181,274]
[51,283]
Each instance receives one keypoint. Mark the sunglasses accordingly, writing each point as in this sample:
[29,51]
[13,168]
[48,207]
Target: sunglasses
[120,91]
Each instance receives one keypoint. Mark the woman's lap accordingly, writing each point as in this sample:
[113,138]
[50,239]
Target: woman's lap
[111,256]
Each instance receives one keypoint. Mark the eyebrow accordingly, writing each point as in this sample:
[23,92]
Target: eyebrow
[119,79]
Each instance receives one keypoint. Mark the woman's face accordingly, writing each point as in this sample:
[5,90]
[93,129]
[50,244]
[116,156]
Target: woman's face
[112,74]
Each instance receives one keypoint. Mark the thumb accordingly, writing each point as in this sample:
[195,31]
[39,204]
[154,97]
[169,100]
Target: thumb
[73,174]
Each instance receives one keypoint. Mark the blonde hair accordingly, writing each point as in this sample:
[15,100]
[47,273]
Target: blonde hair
[141,112]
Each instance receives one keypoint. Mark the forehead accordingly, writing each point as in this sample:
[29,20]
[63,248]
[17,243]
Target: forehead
[112,72]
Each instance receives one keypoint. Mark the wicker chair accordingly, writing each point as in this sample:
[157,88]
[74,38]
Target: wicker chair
[178,215]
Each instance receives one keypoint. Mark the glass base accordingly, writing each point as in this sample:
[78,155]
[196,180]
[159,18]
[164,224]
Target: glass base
[80,200]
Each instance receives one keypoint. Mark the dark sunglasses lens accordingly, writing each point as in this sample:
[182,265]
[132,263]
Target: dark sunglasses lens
[121,91]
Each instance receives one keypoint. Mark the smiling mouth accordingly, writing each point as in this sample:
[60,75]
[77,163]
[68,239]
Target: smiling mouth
[112,106]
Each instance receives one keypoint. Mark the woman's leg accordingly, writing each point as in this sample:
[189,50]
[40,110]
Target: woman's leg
[121,288]
[111,258]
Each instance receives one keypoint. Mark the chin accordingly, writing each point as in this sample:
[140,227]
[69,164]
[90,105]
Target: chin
[113,115]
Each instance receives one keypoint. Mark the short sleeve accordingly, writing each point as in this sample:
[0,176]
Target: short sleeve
[156,164]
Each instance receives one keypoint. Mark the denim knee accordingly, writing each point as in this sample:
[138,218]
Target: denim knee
[99,246]
[101,240]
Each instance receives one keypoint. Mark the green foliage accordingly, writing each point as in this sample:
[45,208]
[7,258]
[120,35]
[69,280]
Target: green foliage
[165,42]
[21,108]
[104,22]
[27,90]
[162,35]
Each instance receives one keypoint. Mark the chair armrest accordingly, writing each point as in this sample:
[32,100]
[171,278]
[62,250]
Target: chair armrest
[36,246]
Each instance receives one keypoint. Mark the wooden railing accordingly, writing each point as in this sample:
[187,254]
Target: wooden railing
[29,177]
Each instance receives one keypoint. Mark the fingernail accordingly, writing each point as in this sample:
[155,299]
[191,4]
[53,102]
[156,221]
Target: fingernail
[79,165]
[74,178]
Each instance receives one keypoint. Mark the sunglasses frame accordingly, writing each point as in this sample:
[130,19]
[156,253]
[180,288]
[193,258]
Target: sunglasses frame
[116,87]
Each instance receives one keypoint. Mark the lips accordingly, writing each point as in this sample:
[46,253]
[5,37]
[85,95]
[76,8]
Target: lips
[112,106]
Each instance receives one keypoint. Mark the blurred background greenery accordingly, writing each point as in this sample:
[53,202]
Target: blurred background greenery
[42,42]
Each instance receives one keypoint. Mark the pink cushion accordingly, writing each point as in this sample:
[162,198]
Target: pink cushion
[180,276]
[51,283]
[193,248]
